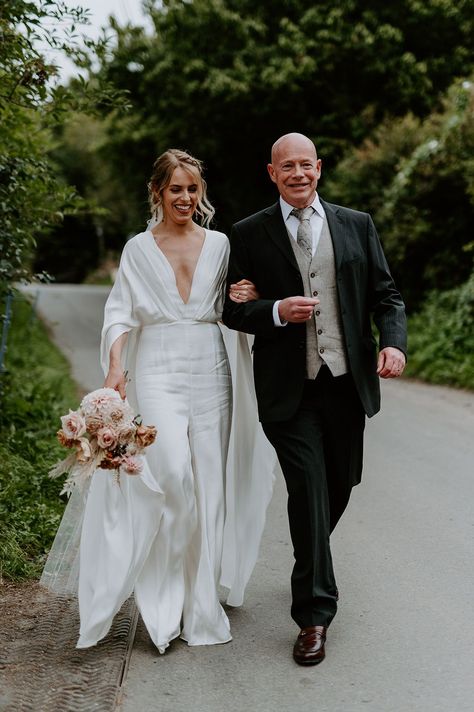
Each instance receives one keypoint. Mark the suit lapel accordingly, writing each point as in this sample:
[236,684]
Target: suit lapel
[337,229]
[276,229]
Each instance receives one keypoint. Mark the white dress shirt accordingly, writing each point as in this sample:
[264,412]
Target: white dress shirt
[292,223]
[316,220]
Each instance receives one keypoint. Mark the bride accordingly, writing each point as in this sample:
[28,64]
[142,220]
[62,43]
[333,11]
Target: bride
[163,534]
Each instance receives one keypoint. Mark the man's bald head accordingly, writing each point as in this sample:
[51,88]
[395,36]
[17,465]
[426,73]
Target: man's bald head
[292,141]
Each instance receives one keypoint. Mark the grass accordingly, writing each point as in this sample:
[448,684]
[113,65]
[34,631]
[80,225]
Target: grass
[35,391]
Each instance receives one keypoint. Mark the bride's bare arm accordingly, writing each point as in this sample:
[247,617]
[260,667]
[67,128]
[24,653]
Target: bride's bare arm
[243,291]
[116,378]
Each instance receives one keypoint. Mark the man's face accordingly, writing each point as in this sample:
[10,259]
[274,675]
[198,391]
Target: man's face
[296,169]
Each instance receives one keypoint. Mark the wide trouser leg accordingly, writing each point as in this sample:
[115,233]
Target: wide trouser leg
[319,481]
[204,619]
[344,423]
[160,587]
[299,447]
[120,523]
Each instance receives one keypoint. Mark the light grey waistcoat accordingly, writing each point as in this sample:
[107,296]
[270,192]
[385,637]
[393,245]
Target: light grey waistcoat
[324,337]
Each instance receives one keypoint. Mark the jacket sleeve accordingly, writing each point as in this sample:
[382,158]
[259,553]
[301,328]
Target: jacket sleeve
[254,317]
[386,303]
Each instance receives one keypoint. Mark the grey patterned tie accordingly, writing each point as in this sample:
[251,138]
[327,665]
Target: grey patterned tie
[304,236]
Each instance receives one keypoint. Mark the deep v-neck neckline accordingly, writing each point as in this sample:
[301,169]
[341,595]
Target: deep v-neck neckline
[170,266]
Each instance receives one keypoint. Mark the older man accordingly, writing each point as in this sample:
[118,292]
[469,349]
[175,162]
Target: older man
[321,275]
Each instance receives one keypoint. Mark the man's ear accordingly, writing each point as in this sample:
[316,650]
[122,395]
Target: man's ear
[271,172]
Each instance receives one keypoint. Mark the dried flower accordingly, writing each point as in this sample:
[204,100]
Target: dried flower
[125,432]
[93,424]
[111,461]
[84,450]
[64,440]
[145,435]
[117,415]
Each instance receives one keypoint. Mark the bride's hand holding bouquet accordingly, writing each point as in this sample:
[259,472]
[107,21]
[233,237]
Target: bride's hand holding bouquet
[117,380]
[102,433]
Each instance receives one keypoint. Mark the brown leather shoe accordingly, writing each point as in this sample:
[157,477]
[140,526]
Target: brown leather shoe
[309,646]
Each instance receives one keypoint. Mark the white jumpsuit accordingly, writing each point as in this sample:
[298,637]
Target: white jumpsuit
[164,533]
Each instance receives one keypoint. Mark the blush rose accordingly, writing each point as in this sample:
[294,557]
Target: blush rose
[106,438]
[73,425]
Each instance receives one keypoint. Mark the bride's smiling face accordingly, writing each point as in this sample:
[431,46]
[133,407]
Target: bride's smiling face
[181,196]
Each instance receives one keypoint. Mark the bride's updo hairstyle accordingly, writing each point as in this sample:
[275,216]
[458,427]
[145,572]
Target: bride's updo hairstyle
[163,169]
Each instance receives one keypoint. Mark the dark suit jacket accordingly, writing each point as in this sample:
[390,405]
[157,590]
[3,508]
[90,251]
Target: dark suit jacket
[261,252]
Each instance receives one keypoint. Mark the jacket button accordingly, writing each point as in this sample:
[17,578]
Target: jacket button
[313,274]
[320,331]
[317,313]
[321,351]
[315,294]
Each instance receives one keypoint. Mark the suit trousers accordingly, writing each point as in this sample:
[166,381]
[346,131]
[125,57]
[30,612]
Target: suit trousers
[320,452]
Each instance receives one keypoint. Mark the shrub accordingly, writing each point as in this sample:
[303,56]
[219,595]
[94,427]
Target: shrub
[38,389]
[417,179]
[442,337]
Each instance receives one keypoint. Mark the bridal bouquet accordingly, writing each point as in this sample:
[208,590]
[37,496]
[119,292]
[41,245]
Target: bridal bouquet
[102,433]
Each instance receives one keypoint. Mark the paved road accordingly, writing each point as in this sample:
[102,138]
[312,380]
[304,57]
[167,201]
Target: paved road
[74,314]
[403,638]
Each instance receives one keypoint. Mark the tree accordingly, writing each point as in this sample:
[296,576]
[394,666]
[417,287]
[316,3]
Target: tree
[224,78]
[32,195]
[417,178]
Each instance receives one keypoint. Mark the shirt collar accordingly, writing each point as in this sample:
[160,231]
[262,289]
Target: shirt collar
[286,208]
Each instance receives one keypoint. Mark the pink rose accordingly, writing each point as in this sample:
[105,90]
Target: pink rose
[131,465]
[106,438]
[73,424]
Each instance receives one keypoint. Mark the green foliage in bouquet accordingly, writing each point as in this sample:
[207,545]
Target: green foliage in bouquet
[37,389]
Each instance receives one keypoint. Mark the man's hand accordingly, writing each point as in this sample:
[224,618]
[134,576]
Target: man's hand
[296,309]
[391,362]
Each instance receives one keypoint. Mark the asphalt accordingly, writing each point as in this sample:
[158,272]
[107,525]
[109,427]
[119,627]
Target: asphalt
[402,640]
